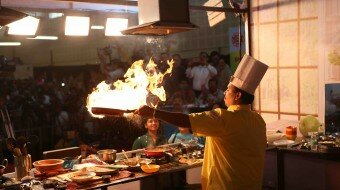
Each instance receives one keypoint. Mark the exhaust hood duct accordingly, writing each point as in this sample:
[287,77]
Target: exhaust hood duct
[9,15]
[161,17]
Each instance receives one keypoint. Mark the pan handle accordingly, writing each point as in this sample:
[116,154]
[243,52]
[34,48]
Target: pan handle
[110,111]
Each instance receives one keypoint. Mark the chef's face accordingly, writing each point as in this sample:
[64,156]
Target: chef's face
[152,124]
[231,96]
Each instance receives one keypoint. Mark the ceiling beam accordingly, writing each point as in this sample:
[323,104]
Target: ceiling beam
[112,2]
[127,3]
[135,3]
[217,9]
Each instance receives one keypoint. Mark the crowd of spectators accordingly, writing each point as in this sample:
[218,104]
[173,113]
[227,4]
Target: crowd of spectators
[198,81]
[61,103]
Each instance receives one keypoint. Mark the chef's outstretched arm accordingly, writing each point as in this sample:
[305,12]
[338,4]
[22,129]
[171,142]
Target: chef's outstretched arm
[177,119]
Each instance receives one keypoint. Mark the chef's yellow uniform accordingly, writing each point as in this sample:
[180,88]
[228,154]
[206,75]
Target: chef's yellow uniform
[234,149]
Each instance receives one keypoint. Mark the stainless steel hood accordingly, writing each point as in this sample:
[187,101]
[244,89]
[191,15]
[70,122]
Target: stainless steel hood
[161,17]
[9,15]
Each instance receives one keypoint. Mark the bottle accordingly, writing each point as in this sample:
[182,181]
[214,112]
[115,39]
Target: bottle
[314,141]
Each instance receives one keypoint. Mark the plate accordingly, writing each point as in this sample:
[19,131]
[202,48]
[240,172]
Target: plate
[274,137]
[119,166]
[283,142]
[102,170]
[82,176]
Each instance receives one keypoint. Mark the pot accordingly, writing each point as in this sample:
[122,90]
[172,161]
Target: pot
[110,111]
[156,153]
[107,155]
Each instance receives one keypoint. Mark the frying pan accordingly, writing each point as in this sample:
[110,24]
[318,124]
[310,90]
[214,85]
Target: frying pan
[154,153]
[110,111]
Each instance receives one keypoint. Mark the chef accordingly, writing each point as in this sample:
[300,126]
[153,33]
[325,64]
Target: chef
[235,138]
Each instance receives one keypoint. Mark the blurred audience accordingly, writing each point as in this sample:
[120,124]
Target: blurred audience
[223,74]
[200,73]
[211,96]
[177,75]
[59,101]
[214,58]
[185,93]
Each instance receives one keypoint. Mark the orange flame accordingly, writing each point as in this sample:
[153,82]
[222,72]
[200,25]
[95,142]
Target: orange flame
[133,91]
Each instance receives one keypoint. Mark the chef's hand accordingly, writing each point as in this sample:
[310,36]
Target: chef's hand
[145,111]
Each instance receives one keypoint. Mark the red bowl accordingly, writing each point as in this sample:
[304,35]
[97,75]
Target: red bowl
[48,165]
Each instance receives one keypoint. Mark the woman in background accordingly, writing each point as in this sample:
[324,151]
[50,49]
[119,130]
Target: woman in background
[184,135]
[152,137]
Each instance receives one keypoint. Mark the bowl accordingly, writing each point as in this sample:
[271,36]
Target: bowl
[151,168]
[107,155]
[131,161]
[82,176]
[143,161]
[48,165]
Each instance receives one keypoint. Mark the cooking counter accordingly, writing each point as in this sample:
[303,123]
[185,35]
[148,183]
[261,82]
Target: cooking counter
[319,154]
[292,168]
[151,181]
[171,175]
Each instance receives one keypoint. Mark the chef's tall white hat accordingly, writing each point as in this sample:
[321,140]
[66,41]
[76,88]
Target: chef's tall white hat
[248,74]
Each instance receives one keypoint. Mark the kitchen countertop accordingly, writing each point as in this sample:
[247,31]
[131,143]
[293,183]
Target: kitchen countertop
[165,168]
[173,167]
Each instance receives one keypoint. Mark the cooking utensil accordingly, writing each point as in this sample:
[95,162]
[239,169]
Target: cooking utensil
[156,153]
[125,154]
[107,155]
[22,145]
[22,165]
[110,111]
[145,161]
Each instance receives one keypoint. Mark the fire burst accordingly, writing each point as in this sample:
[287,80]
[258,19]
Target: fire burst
[133,91]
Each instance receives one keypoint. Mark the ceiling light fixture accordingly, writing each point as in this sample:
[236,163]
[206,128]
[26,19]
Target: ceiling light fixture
[55,15]
[26,27]
[77,26]
[97,27]
[44,38]
[10,43]
[114,26]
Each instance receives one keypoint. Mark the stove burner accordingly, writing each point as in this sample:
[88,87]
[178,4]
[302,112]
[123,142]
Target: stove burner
[159,161]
